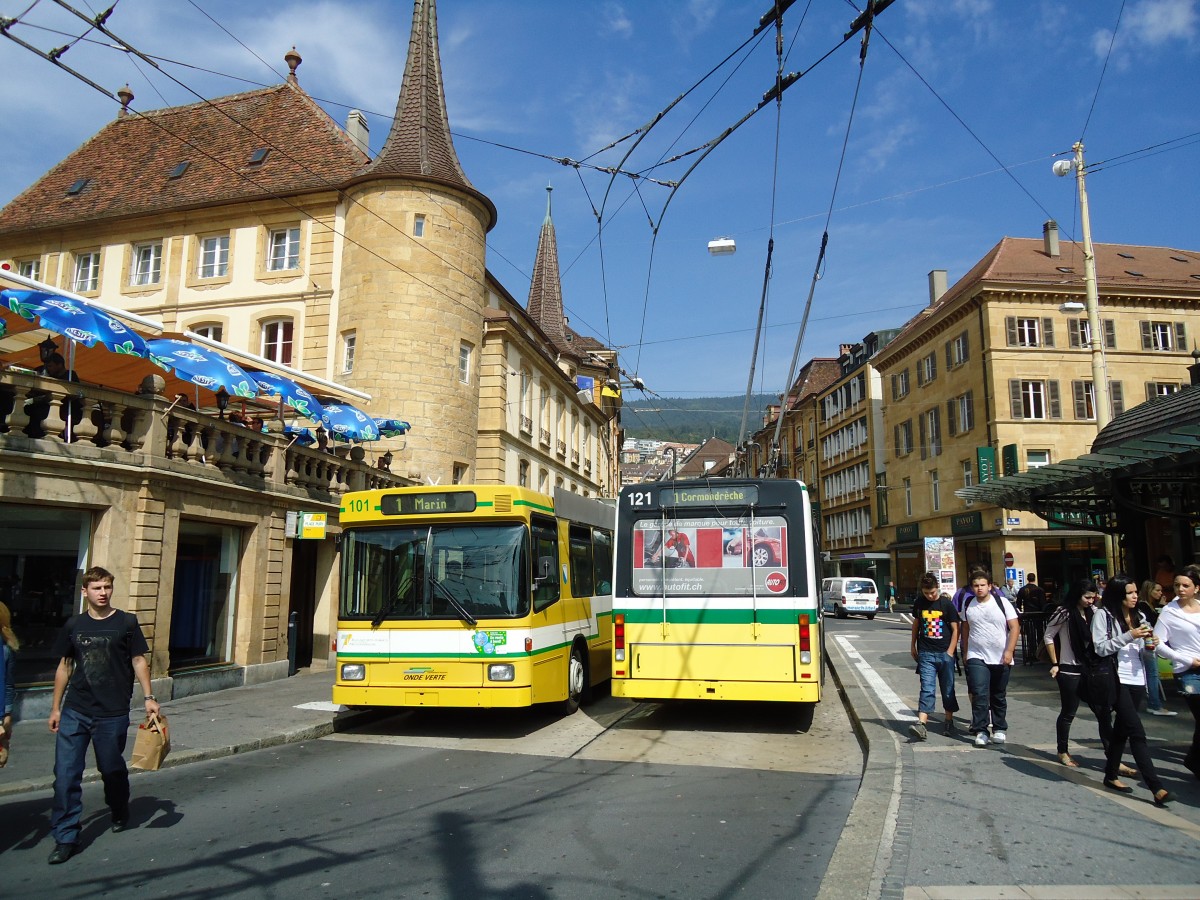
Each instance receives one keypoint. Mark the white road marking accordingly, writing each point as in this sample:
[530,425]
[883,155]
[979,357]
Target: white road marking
[322,706]
[889,698]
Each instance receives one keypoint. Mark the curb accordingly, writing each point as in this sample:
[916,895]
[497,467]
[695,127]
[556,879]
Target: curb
[863,851]
[183,757]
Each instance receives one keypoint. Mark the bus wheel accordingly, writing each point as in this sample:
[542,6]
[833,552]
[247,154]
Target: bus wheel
[576,681]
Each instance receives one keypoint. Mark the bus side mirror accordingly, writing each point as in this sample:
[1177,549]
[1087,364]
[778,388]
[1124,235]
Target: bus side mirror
[545,568]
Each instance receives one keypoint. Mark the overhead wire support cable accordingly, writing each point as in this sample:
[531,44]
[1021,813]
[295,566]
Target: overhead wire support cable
[864,22]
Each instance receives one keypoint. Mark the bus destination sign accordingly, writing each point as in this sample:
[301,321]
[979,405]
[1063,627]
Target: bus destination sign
[431,504]
[710,495]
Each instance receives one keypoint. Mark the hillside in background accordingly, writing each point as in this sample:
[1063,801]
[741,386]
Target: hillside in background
[693,419]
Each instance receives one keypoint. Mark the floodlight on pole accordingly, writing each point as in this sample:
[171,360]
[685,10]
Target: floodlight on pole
[722,246]
[1100,400]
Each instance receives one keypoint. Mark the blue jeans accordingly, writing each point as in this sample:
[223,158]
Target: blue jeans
[1154,696]
[107,736]
[989,694]
[936,668]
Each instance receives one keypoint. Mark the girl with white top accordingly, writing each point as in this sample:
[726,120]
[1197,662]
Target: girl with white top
[1178,633]
[1119,630]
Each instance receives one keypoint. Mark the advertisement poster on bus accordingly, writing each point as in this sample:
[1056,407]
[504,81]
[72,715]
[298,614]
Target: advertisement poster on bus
[939,559]
[731,556]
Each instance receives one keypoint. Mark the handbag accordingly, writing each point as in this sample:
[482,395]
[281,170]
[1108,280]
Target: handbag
[1099,674]
[152,744]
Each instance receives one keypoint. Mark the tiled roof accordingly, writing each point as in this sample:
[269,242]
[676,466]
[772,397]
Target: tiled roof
[1157,415]
[128,163]
[1023,263]
[712,450]
[419,144]
[545,288]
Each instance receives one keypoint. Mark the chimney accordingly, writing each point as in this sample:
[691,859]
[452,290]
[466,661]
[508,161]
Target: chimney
[125,95]
[937,285]
[1050,238]
[845,349]
[358,131]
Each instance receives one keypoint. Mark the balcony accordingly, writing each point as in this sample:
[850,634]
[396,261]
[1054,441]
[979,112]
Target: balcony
[544,437]
[575,458]
[587,466]
[562,449]
[526,425]
[119,435]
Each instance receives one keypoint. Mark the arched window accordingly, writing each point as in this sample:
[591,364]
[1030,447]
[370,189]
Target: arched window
[276,340]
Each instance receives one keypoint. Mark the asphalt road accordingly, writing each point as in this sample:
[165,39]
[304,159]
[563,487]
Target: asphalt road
[621,800]
[1012,815]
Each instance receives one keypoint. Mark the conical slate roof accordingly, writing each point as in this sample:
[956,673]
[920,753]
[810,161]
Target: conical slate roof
[419,144]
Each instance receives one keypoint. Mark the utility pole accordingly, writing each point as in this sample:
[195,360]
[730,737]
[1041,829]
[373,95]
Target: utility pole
[1092,298]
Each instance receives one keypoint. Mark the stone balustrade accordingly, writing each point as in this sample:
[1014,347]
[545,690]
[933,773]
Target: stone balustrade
[41,413]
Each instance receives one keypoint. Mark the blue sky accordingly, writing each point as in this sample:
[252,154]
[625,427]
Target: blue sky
[919,189]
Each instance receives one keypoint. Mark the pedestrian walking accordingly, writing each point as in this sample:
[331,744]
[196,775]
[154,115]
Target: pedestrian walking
[990,630]
[934,641]
[1150,598]
[1119,631]
[1178,633]
[100,651]
[1065,668]
[8,687]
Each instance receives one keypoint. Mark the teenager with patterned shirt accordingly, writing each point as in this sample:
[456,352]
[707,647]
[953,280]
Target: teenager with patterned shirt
[934,640]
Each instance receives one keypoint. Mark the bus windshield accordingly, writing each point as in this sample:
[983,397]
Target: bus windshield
[445,572]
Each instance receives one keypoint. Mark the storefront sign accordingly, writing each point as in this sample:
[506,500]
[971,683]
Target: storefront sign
[1009,463]
[985,458]
[910,531]
[966,523]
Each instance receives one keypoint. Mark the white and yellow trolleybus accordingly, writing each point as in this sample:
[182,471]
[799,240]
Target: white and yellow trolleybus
[715,592]
[473,596]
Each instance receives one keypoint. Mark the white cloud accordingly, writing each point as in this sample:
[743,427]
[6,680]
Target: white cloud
[616,20]
[1149,25]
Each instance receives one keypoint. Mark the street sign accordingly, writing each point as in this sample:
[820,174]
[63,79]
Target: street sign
[312,526]
[1009,560]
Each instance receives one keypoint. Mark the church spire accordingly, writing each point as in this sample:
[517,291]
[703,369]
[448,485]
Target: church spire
[419,144]
[545,291]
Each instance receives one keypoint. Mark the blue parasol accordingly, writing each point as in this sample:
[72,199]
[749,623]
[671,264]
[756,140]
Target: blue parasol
[74,320]
[201,366]
[346,423]
[303,436]
[391,427]
[292,394]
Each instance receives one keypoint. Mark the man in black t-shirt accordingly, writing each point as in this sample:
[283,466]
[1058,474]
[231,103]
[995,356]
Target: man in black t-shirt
[934,640]
[1031,598]
[99,653]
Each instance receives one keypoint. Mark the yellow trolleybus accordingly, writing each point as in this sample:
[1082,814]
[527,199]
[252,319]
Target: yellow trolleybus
[715,593]
[473,596]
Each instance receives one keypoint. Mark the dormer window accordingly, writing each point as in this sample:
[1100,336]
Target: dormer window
[258,156]
[178,171]
[78,186]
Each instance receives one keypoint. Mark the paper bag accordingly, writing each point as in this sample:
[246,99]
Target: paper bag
[152,744]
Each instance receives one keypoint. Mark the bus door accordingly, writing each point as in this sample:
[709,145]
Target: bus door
[548,631]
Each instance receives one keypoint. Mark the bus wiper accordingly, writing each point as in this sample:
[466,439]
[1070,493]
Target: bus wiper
[386,611]
[450,598]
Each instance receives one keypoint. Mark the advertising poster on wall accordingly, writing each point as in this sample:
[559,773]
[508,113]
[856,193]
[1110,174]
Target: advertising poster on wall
[939,559]
[730,556]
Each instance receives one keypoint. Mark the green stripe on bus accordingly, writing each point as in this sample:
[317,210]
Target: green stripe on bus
[458,657]
[717,616]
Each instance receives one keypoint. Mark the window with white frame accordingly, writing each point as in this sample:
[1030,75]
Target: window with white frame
[968,472]
[931,432]
[1161,388]
[1079,333]
[523,473]
[464,362]
[1035,459]
[927,369]
[1084,394]
[1034,399]
[935,489]
[349,342]
[214,257]
[459,474]
[145,267]
[526,400]
[210,330]
[283,249]
[960,413]
[957,351]
[900,386]
[904,438]
[276,341]
[418,225]
[1028,331]
[1167,336]
[544,403]
[87,272]
[881,501]
[908,497]
[30,268]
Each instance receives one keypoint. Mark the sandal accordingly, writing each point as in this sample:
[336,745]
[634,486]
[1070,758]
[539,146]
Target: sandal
[1125,770]
[1113,785]
[1065,759]
[1162,798]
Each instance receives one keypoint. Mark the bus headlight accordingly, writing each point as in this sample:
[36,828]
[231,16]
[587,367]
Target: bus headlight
[354,672]
[501,672]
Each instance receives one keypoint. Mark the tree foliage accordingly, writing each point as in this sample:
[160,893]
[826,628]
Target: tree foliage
[693,419]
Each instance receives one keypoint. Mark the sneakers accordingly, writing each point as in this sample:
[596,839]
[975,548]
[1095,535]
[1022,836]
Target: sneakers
[981,739]
[61,853]
[999,737]
[918,731]
[1161,712]
[948,728]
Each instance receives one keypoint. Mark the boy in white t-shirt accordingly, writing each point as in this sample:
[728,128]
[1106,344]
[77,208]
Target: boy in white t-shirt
[990,630]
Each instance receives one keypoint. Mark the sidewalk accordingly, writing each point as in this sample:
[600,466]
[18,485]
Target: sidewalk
[205,726]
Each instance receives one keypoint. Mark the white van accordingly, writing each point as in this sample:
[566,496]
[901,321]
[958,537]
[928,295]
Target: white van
[850,596]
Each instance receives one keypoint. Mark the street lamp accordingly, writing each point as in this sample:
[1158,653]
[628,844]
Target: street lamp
[1062,168]
[222,402]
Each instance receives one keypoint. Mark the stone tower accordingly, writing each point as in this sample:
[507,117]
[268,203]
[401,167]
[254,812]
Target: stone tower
[412,273]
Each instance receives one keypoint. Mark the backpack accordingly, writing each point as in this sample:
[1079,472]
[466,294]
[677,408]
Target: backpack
[999,599]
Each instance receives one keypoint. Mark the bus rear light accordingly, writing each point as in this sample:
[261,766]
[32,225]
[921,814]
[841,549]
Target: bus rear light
[528,645]
[619,637]
[805,638]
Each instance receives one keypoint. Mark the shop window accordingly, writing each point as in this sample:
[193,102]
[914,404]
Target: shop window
[204,602]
